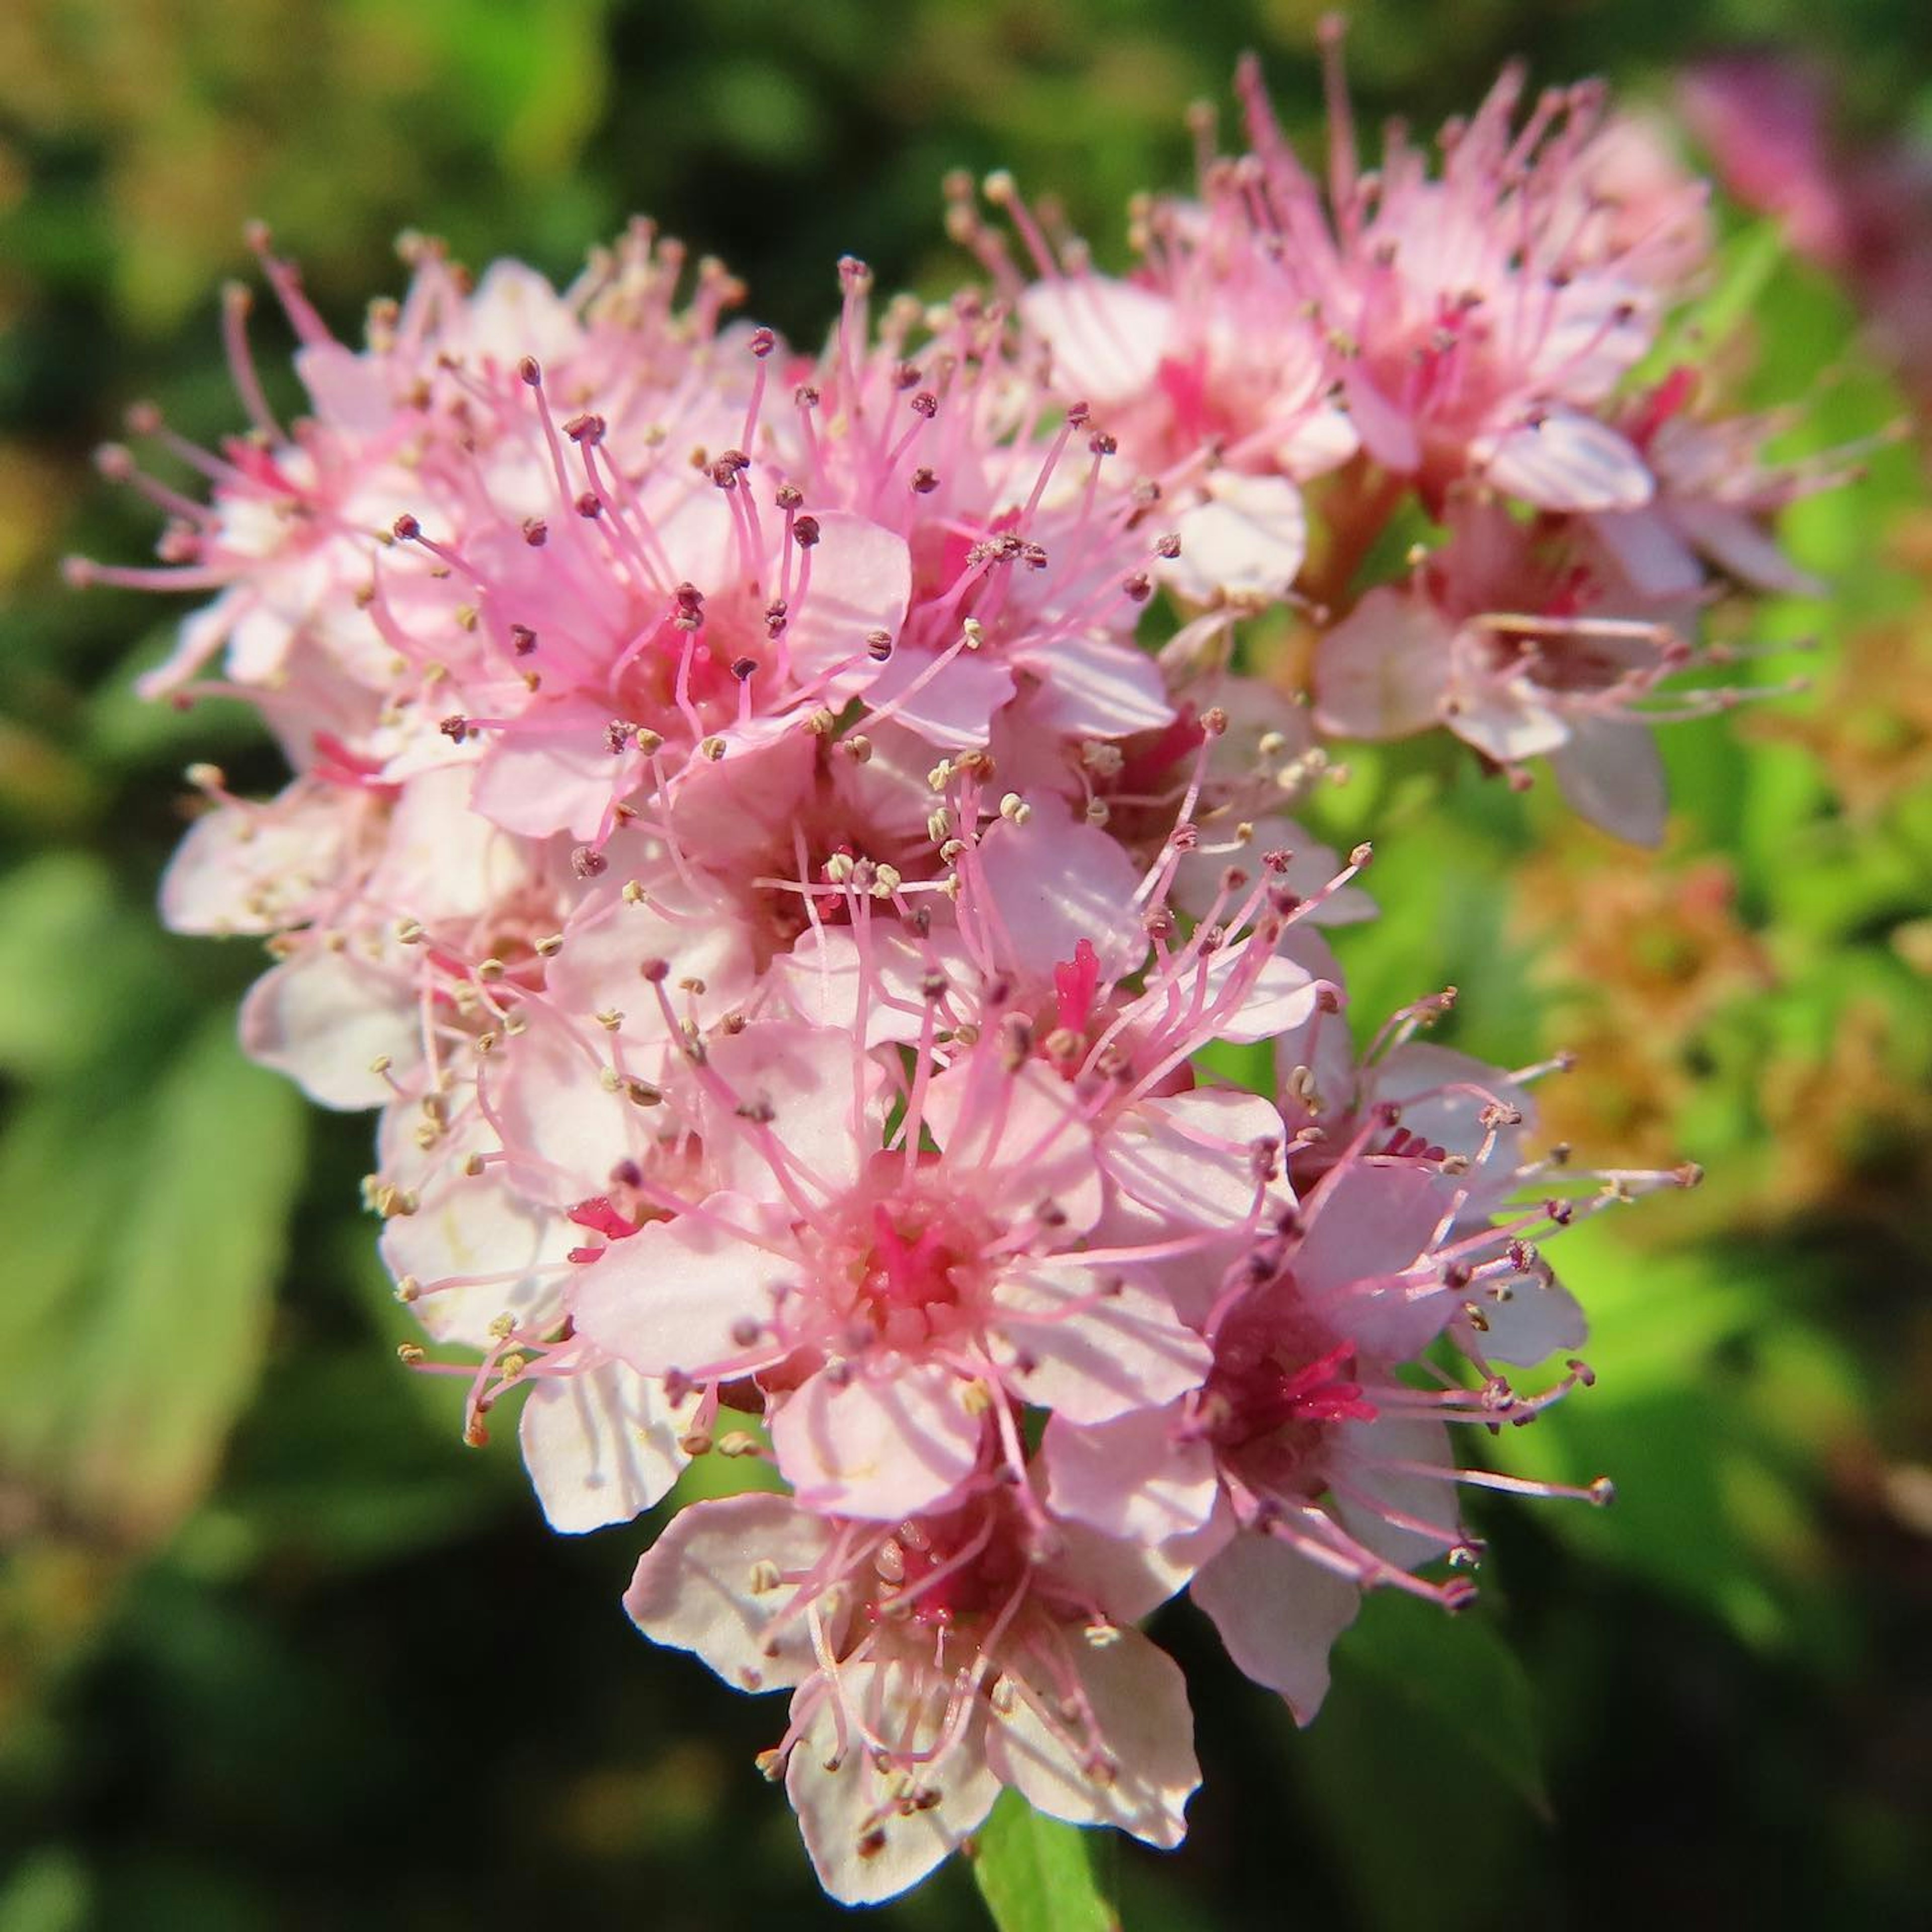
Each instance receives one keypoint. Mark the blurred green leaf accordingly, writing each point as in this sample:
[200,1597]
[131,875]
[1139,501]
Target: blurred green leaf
[49,1892]
[1036,1874]
[1712,1439]
[76,959]
[1427,1731]
[159,1216]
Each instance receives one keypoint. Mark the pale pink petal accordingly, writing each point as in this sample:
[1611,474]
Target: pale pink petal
[1282,996]
[347,391]
[553,770]
[1279,1615]
[1023,1134]
[475,1249]
[1564,460]
[442,859]
[1139,1699]
[325,1019]
[1443,1095]
[864,1847]
[880,1446]
[1383,671]
[1187,1160]
[1093,688]
[1108,338]
[829,983]
[860,582]
[563,1129]
[1135,1477]
[515,312]
[1740,545]
[610,935]
[1651,552]
[824,1104]
[1056,881]
[1365,1225]
[1129,1581]
[1609,771]
[601,1445]
[951,705]
[1322,440]
[682,1294]
[705,1585]
[1602,325]
[1247,541]
[255,868]
[1539,1318]
[202,636]
[1386,433]
[1407,1518]
[1128,1351]
[1509,722]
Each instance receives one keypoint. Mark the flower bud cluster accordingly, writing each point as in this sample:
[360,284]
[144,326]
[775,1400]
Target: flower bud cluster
[742,842]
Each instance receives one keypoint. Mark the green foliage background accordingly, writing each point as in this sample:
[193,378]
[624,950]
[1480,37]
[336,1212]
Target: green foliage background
[276,1650]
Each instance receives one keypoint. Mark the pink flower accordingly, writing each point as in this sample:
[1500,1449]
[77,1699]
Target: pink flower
[1524,639]
[1477,318]
[891,1301]
[931,1662]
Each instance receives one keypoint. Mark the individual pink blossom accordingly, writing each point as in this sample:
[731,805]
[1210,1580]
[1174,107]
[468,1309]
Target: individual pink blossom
[1477,318]
[1525,640]
[1031,561]
[297,515]
[1311,1465]
[932,1661]
[892,1302]
[373,896]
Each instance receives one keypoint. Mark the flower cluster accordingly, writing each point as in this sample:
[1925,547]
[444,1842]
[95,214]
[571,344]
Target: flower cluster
[743,841]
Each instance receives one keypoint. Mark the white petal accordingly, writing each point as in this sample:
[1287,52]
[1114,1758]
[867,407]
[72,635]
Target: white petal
[509,1253]
[878,1447]
[1129,1350]
[1145,1730]
[1382,672]
[325,1018]
[863,1848]
[1565,461]
[1248,540]
[601,1445]
[673,1295]
[1108,338]
[1132,1478]
[705,1586]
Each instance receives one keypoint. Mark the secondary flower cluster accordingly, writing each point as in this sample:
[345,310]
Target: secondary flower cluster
[742,842]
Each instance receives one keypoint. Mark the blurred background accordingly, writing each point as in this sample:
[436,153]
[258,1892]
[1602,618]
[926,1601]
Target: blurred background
[277,1650]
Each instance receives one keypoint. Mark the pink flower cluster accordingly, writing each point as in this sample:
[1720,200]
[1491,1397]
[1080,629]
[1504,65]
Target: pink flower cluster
[742,842]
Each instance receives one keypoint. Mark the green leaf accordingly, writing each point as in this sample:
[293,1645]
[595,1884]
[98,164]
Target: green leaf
[78,962]
[49,1891]
[1036,1874]
[1429,1721]
[159,1214]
